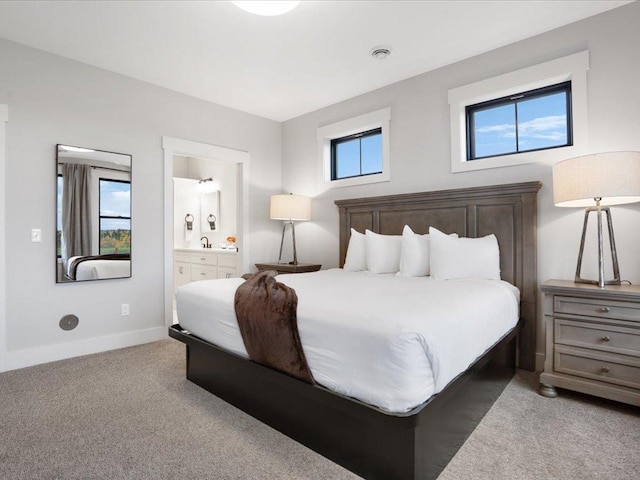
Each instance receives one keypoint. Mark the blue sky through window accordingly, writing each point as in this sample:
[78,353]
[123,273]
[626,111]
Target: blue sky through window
[348,164]
[495,131]
[542,123]
[371,154]
[115,201]
[359,156]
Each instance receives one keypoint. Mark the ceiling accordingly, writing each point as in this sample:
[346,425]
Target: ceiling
[280,67]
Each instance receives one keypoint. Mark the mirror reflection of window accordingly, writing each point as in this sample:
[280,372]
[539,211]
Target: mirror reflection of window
[115,216]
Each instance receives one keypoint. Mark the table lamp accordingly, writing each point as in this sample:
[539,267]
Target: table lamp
[290,208]
[597,181]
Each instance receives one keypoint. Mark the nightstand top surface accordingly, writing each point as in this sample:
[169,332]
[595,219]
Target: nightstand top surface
[288,268]
[568,287]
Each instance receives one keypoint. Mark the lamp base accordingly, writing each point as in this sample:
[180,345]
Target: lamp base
[293,235]
[601,282]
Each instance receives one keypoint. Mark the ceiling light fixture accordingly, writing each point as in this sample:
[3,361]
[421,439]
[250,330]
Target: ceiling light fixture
[380,53]
[267,8]
[206,185]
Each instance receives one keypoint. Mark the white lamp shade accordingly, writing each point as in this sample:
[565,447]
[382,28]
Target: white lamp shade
[613,176]
[290,207]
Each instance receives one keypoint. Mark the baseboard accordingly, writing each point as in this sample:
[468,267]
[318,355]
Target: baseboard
[51,353]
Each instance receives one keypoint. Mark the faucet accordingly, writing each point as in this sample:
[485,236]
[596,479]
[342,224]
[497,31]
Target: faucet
[206,243]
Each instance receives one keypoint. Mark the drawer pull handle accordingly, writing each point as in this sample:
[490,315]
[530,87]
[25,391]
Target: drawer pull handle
[605,339]
[603,310]
[204,258]
[605,369]
[202,273]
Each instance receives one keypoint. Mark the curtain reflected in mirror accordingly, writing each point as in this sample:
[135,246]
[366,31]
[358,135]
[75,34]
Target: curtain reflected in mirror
[93,240]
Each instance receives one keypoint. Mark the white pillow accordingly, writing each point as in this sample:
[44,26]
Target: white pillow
[463,257]
[414,258]
[383,252]
[356,259]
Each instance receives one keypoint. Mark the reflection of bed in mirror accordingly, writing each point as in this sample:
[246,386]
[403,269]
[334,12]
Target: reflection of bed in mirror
[93,240]
[98,267]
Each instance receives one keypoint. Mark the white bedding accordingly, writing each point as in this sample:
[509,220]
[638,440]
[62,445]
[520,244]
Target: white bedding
[101,269]
[386,340]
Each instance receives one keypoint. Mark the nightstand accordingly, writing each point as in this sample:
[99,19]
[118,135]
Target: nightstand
[592,340]
[288,268]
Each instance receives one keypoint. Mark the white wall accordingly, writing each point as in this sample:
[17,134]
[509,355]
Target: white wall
[4,116]
[420,145]
[54,100]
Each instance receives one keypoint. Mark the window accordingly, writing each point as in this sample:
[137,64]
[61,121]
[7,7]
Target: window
[535,120]
[356,155]
[355,151]
[534,115]
[114,216]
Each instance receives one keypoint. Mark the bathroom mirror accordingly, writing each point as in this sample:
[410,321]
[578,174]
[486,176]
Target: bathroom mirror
[209,211]
[93,238]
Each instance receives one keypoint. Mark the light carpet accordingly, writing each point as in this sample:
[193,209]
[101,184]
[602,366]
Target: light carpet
[131,414]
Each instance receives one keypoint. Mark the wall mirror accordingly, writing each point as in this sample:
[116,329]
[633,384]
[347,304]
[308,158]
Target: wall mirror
[93,238]
[209,211]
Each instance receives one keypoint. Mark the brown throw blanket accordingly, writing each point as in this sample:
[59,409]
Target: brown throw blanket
[266,313]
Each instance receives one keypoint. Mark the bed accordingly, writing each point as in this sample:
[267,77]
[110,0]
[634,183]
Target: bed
[98,267]
[406,442]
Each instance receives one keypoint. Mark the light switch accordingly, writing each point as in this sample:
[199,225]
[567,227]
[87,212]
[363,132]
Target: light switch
[36,235]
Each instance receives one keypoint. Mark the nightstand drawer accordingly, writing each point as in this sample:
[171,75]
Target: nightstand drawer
[609,368]
[599,336]
[597,308]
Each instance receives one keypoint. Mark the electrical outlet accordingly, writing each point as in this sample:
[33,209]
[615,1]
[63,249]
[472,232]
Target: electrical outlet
[36,235]
[124,309]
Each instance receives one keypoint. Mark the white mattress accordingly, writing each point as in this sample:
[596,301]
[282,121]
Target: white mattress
[388,341]
[100,269]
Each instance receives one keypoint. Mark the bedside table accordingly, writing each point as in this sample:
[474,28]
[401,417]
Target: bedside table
[288,268]
[592,340]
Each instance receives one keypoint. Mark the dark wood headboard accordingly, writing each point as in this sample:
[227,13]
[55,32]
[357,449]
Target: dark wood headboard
[508,211]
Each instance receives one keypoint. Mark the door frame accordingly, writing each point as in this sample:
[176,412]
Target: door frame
[187,148]
[4,118]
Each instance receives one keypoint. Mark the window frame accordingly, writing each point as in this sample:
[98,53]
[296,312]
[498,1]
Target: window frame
[111,217]
[353,126]
[563,87]
[337,141]
[572,68]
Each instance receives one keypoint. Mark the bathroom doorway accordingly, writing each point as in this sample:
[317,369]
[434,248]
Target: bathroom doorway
[191,163]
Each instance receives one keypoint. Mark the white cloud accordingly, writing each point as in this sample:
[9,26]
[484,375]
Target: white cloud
[504,127]
[552,127]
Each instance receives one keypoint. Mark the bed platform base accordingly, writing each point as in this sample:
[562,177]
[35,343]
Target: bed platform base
[371,443]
